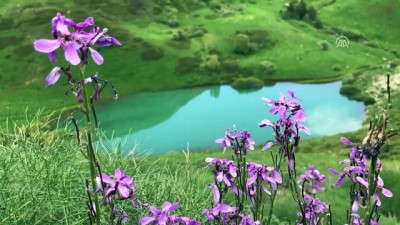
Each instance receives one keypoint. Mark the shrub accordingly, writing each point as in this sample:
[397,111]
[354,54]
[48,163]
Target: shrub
[247,83]
[312,13]
[152,53]
[348,90]
[215,5]
[324,45]
[242,44]
[301,9]
[173,22]
[180,45]
[318,24]
[187,65]
[260,38]
[213,63]
[231,66]
[336,67]
[268,67]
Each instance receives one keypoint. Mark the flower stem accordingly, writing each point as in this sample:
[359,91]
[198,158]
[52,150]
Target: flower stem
[90,150]
[274,192]
[372,179]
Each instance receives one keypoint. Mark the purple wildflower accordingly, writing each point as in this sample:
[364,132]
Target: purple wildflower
[313,178]
[266,175]
[314,209]
[76,43]
[53,76]
[219,212]
[241,142]
[118,182]
[247,220]
[286,129]
[225,171]
[165,216]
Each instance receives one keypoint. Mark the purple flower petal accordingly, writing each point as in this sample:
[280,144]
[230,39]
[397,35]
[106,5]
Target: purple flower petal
[251,180]
[46,46]
[305,129]
[226,208]
[277,176]
[268,145]
[216,194]
[52,56]
[106,179]
[166,206]
[355,206]
[173,207]
[118,174]
[340,180]
[299,116]
[387,193]
[146,220]
[123,190]
[264,123]
[333,171]
[362,181]
[346,141]
[377,200]
[97,58]
[155,211]
[71,53]
[53,76]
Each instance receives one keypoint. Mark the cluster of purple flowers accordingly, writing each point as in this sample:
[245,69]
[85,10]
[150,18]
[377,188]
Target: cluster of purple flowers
[312,179]
[77,44]
[261,176]
[164,216]
[286,129]
[313,209]
[241,142]
[245,179]
[119,185]
[358,174]
[289,124]
[225,171]
[227,215]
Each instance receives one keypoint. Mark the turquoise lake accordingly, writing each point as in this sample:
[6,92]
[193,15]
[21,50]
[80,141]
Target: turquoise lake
[160,122]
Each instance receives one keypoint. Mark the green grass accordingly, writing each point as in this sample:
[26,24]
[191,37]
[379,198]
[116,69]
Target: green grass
[43,174]
[43,177]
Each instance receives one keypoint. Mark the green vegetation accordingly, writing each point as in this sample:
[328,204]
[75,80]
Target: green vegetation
[46,185]
[247,83]
[158,56]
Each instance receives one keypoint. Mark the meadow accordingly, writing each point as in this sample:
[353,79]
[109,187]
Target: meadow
[182,44]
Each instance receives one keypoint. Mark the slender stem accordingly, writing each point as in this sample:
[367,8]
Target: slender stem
[274,192]
[90,153]
[371,190]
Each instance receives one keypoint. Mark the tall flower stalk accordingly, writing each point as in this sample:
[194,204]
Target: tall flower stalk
[364,170]
[287,138]
[77,44]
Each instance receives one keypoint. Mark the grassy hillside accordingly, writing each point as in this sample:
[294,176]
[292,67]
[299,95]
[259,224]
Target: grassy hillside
[156,56]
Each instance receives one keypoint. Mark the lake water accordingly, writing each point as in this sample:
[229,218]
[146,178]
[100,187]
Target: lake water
[169,121]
